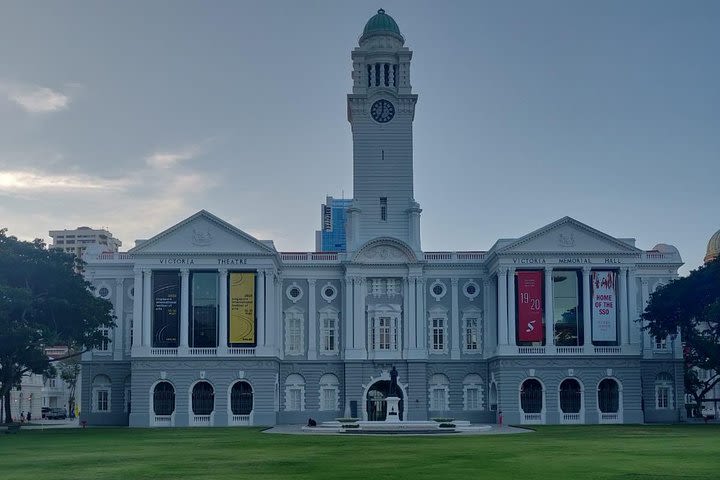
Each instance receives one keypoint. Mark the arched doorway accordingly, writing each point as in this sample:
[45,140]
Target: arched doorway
[375,404]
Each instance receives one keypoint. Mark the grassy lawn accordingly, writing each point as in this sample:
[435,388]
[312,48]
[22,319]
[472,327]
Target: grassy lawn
[553,452]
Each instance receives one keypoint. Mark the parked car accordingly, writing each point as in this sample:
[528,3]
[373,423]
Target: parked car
[56,414]
[44,411]
[708,412]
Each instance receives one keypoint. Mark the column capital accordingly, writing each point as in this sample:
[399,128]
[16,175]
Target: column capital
[502,270]
[511,270]
[222,271]
[454,281]
[147,272]
[586,270]
[312,282]
[644,282]
[137,271]
[548,270]
[119,282]
[623,269]
[184,272]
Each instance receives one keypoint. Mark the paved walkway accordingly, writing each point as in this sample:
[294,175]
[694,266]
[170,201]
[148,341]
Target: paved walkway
[49,424]
[297,430]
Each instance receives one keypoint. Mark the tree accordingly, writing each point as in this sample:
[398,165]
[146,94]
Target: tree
[691,306]
[69,371]
[44,301]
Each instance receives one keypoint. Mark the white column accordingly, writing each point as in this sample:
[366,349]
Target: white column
[312,321]
[512,337]
[223,312]
[647,339]
[406,317]
[587,316]
[455,344]
[633,326]
[120,314]
[184,307]
[489,322]
[412,313]
[260,309]
[549,310]
[623,306]
[347,315]
[147,309]
[137,311]
[502,302]
[421,325]
[359,318]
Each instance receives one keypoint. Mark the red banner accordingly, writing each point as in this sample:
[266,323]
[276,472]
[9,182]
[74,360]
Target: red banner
[529,306]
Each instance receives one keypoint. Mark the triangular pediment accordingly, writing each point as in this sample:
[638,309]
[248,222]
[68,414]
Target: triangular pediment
[203,233]
[567,235]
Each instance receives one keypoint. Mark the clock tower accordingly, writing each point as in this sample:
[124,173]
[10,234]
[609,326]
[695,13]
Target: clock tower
[381,110]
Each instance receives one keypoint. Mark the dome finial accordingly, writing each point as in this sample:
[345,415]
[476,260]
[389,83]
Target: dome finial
[381,11]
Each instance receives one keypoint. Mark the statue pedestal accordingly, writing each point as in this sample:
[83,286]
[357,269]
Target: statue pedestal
[393,409]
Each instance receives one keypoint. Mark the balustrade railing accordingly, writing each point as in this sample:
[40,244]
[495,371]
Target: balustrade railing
[241,351]
[203,351]
[531,350]
[607,350]
[569,350]
[241,420]
[163,352]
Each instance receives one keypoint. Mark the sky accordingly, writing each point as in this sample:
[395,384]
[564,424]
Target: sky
[134,115]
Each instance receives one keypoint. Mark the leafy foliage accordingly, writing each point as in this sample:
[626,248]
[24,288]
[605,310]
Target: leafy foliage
[44,301]
[691,306]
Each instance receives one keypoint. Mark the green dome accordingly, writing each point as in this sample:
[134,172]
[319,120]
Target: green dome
[381,23]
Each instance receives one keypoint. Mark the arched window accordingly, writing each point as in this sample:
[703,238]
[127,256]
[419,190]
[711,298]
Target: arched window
[241,398]
[473,393]
[570,396]
[101,390]
[531,396]
[329,388]
[203,398]
[294,393]
[608,396]
[164,399]
[664,391]
[439,392]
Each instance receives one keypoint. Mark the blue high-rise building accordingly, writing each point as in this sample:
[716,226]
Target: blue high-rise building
[331,236]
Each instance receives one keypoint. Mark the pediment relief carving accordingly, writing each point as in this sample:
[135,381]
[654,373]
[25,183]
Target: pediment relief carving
[385,252]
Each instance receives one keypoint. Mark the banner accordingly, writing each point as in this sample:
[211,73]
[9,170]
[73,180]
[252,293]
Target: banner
[604,318]
[242,308]
[529,306]
[166,308]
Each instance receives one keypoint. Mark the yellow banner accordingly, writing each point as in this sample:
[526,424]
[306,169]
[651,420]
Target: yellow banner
[242,307]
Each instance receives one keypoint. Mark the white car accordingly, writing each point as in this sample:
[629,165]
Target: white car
[708,412]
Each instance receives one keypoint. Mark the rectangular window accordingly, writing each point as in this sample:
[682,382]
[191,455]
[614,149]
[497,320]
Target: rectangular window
[471,334]
[437,400]
[102,400]
[166,308]
[328,335]
[383,208]
[105,344]
[472,398]
[293,333]
[329,399]
[438,334]
[384,333]
[295,399]
[203,323]
[661,343]
[663,394]
[567,309]
[377,287]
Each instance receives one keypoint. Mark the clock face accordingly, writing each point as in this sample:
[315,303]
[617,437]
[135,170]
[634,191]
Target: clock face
[382,111]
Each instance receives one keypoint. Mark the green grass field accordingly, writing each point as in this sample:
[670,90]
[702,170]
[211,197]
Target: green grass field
[553,452]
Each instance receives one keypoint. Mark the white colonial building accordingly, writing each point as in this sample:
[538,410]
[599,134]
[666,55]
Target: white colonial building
[215,327]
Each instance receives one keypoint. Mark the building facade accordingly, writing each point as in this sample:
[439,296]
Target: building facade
[215,327]
[77,241]
[333,215]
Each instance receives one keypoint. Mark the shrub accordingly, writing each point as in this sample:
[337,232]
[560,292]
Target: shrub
[347,419]
[447,425]
[443,419]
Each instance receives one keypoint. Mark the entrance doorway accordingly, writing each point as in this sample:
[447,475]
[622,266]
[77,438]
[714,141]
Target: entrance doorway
[376,406]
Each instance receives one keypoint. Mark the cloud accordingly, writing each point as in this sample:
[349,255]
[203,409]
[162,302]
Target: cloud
[28,180]
[167,159]
[35,99]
